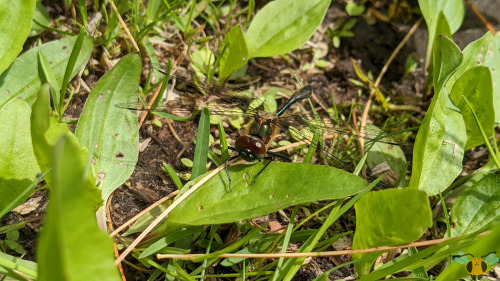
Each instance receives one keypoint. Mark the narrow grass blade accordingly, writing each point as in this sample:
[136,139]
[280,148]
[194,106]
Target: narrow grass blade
[75,52]
[173,175]
[202,143]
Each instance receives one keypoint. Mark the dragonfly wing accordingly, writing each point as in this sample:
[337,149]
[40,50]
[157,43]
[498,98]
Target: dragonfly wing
[227,98]
[491,258]
[461,258]
[294,126]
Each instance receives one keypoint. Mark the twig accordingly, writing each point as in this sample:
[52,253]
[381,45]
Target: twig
[167,212]
[172,130]
[481,17]
[110,226]
[317,254]
[131,38]
[152,100]
[129,222]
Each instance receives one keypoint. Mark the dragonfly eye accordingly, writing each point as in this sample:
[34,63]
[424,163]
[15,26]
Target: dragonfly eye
[250,148]
[258,148]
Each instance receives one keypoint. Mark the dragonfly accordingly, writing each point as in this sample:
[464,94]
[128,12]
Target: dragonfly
[264,125]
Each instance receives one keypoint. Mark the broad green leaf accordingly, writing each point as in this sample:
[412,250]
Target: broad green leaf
[41,16]
[381,154]
[446,59]
[202,144]
[278,186]
[15,25]
[387,218]
[283,26]
[454,11]
[442,30]
[439,147]
[17,159]
[449,11]
[203,61]
[18,166]
[477,207]
[22,79]
[236,53]
[440,142]
[483,246]
[45,132]
[108,132]
[71,245]
[476,85]
[484,51]
[145,220]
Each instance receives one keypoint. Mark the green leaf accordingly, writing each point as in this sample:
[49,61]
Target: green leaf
[382,152]
[476,85]
[75,52]
[353,9]
[18,166]
[47,76]
[15,26]
[41,16]
[387,218]
[279,186]
[203,61]
[446,58]
[22,78]
[111,133]
[202,144]
[451,16]
[440,142]
[439,146]
[71,246]
[173,175]
[236,53]
[388,157]
[45,132]
[223,142]
[454,11]
[283,26]
[484,51]
[146,219]
[477,207]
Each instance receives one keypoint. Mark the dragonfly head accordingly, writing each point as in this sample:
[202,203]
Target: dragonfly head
[250,148]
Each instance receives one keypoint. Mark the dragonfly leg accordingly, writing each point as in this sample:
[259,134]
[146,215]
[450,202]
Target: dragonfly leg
[271,158]
[276,154]
[227,172]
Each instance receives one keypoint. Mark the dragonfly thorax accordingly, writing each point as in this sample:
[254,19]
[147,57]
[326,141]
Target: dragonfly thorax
[262,129]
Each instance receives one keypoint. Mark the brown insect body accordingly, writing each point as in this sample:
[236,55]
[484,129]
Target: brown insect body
[254,143]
